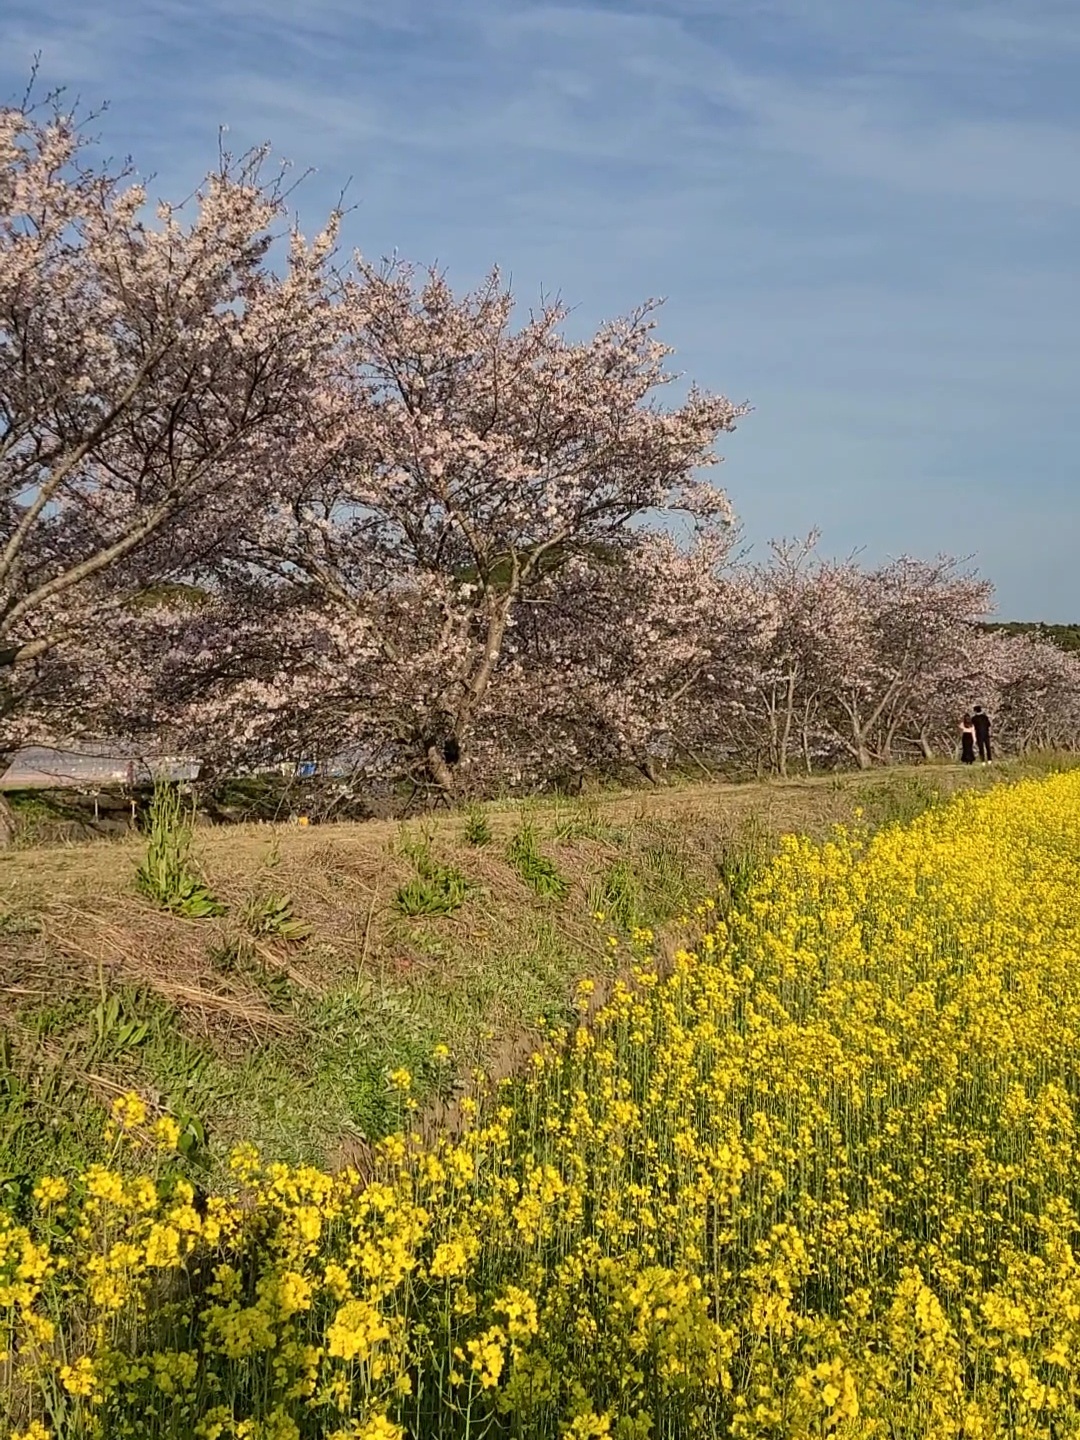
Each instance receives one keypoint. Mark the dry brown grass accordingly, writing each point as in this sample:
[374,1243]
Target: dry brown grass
[358,850]
[343,878]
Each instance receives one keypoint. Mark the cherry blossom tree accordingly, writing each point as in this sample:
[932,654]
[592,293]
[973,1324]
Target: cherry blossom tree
[263,510]
[1031,688]
[458,465]
[148,365]
[906,626]
[809,633]
[614,661]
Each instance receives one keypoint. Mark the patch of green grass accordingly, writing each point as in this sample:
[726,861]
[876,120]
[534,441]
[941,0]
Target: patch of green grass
[116,1031]
[900,799]
[364,1033]
[64,1063]
[30,804]
[579,820]
[477,826]
[13,924]
[49,1122]
[58,1014]
[741,861]
[676,866]
[539,873]
[440,891]
[1039,763]
[42,816]
[618,896]
[237,957]
[436,888]
[669,878]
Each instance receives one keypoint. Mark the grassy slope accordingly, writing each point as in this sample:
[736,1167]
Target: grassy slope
[289,1044]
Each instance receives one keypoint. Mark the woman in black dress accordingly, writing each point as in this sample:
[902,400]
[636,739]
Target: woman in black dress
[967,741]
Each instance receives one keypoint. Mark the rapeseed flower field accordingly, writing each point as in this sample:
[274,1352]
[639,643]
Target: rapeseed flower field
[818,1175]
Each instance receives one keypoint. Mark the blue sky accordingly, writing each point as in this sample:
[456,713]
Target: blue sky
[864,214]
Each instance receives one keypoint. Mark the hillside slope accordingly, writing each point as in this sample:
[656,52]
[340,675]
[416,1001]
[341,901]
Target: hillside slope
[349,952]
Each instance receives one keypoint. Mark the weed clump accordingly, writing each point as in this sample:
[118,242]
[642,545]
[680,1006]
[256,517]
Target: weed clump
[166,876]
[582,822]
[272,916]
[477,827]
[618,896]
[743,861]
[435,889]
[539,873]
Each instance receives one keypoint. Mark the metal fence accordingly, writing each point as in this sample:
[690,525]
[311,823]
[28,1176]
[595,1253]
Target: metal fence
[40,768]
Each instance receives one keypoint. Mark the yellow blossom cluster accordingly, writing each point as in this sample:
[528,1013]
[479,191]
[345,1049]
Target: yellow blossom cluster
[818,1175]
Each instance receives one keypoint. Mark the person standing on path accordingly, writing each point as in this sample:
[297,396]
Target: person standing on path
[967,741]
[981,721]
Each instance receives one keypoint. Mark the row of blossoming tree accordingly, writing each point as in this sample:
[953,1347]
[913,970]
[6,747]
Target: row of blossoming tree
[258,503]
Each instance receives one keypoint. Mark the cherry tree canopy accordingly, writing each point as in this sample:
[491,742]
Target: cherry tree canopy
[263,510]
[148,366]
[456,465]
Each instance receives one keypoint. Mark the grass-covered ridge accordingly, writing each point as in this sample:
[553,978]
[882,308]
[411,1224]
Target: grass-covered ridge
[817,1174]
[346,952]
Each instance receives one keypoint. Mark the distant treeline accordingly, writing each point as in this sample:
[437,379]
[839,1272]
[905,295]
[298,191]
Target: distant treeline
[1066,636]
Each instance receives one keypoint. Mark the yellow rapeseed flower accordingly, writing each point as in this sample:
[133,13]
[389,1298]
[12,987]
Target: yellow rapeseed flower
[812,1174]
[166,1132]
[129,1111]
[51,1189]
[79,1378]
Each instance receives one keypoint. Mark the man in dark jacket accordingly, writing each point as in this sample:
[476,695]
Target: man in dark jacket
[981,721]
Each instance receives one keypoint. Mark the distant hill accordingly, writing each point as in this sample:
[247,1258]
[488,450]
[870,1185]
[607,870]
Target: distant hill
[1067,636]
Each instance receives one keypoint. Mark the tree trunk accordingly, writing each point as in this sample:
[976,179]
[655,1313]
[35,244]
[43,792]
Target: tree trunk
[858,747]
[789,717]
[805,738]
[8,824]
[648,769]
[774,740]
[439,770]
